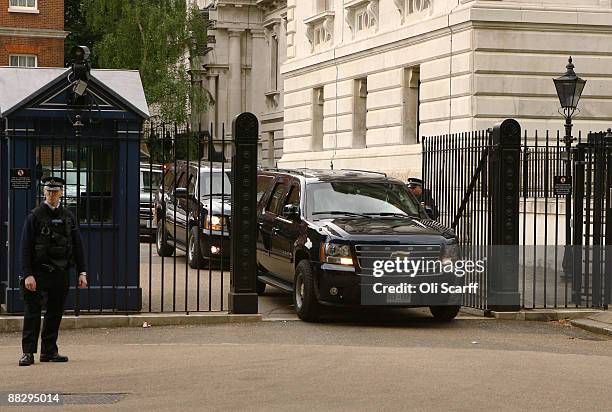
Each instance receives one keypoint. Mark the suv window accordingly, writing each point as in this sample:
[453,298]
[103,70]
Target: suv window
[148,180]
[191,181]
[169,180]
[275,201]
[182,180]
[263,183]
[360,197]
[294,196]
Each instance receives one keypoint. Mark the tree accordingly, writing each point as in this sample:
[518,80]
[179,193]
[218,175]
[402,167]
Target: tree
[80,33]
[154,37]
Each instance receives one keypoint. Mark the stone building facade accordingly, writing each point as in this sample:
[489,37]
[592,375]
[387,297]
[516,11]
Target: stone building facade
[32,33]
[366,79]
[241,71]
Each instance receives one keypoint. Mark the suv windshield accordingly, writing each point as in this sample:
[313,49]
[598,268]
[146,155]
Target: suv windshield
[359,198]
[150,180]
[221,183]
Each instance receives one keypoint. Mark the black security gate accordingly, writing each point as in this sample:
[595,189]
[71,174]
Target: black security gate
[514,194]
[188,259]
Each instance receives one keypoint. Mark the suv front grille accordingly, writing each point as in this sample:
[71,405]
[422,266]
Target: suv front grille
[145,211]
[367,254]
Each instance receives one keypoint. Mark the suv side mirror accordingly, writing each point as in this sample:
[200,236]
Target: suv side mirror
[291,212]
[181,193]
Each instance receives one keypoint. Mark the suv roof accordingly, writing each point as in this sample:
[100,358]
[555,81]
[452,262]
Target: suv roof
[314,175]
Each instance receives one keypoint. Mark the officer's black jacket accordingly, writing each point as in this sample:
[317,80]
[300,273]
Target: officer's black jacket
[28,236]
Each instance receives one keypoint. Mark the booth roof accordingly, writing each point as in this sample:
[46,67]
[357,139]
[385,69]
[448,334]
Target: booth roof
[18,85]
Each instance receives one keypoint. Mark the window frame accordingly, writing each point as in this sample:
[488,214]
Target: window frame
[278,183]
[26,56]
[23,9]
[260,180]
[294,187]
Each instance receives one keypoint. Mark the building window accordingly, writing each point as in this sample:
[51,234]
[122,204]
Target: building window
[410,115]
[271,150]
[23,60]
[274,63]
[408,8]
[23,5]
[322,5]
[360,113]
[318,102]
[320,29]
[319,35]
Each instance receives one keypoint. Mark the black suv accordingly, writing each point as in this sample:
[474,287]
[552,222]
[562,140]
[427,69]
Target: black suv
[192,211]
[321,230]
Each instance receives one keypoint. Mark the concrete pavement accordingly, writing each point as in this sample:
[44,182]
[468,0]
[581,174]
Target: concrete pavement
[386,361]
[597,323]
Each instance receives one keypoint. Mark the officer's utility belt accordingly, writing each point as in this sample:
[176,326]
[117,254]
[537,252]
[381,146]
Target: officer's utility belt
[46,268]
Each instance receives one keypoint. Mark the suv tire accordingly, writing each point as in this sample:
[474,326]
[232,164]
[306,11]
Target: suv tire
[163,248]
[261,287]
[194,251]
[304,297]
[444,313]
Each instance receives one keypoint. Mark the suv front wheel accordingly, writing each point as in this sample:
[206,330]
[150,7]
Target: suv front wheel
[304,296]
[444,313]
[194,251]
[163,247]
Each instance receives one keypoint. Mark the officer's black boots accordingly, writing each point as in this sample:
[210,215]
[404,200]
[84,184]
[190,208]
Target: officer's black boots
[27,359]
[54,357]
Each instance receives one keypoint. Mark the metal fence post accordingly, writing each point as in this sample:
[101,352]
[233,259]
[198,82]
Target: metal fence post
[577,239]
[243,294]
[503,190]
[608,220]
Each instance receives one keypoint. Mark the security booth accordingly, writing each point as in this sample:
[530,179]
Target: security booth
[84,126]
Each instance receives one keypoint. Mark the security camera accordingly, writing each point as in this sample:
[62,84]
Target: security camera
[81,67]
[80,54]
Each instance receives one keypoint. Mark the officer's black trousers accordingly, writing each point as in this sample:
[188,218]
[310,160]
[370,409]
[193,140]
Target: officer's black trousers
[52,287]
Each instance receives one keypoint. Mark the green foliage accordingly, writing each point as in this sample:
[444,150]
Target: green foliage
[80,33]
[152,36]
[181,146]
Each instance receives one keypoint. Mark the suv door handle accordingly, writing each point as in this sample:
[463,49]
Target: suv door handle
[275,230]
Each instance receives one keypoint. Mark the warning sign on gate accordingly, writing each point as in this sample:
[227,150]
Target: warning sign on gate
[21,179]
[563,185]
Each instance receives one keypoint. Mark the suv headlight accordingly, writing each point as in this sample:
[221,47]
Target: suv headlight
[336,253]
[451,253]
[215,222]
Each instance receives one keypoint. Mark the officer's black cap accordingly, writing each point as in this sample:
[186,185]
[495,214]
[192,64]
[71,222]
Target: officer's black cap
[53,183]
[414,181]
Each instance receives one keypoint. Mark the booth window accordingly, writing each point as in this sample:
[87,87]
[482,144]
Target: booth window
[89,179]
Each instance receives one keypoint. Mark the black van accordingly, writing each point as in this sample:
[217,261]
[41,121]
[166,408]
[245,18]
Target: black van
[319,232]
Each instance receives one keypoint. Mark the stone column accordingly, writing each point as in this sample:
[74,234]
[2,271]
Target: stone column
[235,75]
[259,81]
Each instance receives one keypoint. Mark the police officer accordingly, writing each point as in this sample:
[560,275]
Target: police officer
[424,196]
[50,245]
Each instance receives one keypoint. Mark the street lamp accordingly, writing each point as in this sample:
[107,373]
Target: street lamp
[569,89]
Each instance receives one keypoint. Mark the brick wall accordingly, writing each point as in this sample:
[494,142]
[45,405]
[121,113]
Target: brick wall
[50,16]
[50,51]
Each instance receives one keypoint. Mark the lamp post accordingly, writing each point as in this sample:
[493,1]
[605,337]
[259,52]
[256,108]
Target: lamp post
[569,89]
